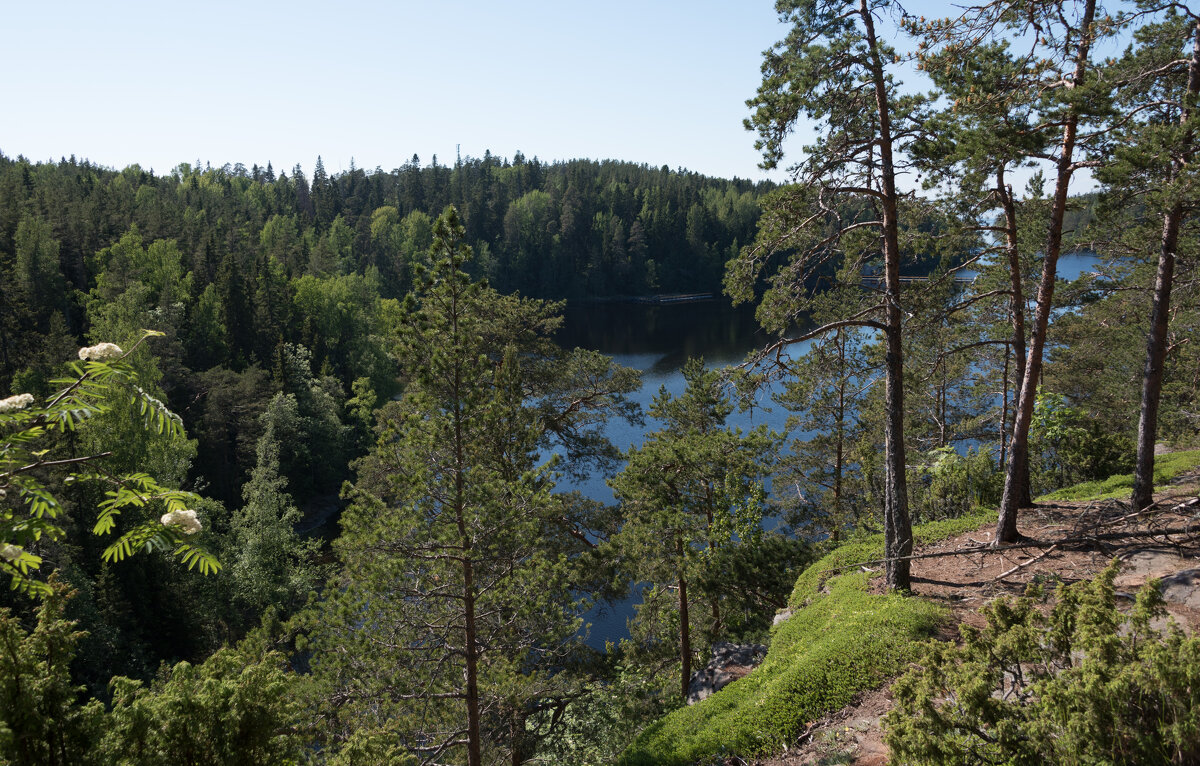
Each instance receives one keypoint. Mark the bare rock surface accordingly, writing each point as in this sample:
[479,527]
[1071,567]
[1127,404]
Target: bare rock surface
[729,663]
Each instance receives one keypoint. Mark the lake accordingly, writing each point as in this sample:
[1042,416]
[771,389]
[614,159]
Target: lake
[657,339]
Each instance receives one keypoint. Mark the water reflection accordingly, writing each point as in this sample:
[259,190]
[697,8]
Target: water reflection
[658,339]
[668,333]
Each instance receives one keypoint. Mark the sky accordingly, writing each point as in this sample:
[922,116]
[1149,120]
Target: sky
[160,83]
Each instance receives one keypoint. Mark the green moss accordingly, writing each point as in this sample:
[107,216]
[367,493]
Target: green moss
[1166,467]
[840,641]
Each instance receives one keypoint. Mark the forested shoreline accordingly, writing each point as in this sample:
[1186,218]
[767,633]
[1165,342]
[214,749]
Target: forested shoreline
[236,264]
[196,361]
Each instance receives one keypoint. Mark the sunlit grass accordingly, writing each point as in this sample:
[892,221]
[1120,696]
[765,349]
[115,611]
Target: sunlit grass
[841,640]
[1119,487]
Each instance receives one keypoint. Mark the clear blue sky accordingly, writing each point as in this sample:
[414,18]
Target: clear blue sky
[159,83]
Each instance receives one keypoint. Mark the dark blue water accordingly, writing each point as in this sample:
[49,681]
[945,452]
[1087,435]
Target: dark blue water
[657,340]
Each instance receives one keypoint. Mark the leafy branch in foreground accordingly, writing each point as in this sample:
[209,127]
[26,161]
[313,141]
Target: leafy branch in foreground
[30,513]
[1085,684]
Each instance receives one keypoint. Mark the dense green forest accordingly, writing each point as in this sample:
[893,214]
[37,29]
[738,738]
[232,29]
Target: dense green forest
[206,369]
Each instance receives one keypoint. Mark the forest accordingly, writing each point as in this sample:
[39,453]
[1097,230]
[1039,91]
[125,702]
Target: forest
[282,460]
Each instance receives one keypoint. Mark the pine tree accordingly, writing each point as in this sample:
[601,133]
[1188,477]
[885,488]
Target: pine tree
[691,489]
[843,215]
[455,603]
[1152,168]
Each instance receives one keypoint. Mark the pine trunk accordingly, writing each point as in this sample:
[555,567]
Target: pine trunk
[1017,317]
[897,526]
[685,637]
[1156,354]
[1156,343]
[1015,496]
[470,637]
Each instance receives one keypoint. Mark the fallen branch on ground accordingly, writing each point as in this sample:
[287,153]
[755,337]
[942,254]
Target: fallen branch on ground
[1188,530]
[1019,567]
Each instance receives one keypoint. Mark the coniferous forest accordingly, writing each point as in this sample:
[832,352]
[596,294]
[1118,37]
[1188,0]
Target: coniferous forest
[286,459]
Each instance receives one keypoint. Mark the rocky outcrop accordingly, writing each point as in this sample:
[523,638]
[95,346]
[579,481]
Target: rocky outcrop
[729,663]
[1182,588]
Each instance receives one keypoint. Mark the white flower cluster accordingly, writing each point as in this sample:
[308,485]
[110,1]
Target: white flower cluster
[10,552]
[18,402]
[185,520]
[100,352]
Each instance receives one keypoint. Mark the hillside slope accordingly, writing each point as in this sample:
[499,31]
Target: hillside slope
[820,693]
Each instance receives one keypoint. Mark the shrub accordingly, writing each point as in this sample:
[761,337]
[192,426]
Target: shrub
[1085,685]
[1066,447]
[240,707]
[950,484]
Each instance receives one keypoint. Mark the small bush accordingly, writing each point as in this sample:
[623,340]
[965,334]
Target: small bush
[1067,447]
[1085,685]
[950,484]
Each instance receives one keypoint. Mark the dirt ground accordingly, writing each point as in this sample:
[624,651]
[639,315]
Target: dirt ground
[1075,541]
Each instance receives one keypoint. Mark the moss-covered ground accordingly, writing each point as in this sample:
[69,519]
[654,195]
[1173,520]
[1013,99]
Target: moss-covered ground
[1166,467]
[841,640]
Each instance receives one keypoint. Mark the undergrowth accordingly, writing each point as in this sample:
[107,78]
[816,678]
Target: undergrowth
[841,640]
[1166,467]
[1084,684]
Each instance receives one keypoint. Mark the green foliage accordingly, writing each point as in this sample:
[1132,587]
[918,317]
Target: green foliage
[338,319]
[1166,467]
[695,479]
[692,489]
[1066,447]
[753,580]
[829,464]
[1086,684]
[595,726]
[950,484]
[454,610]
[305,422]
[29,469]
[239,708]
[841,640]
[271,567]
[819,659]
[42,718]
